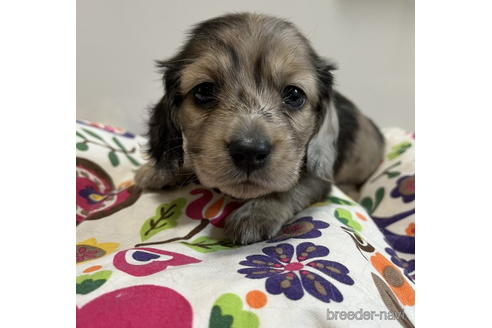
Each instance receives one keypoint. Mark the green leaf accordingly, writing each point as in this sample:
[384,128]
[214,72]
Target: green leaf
[206,244]
[89,282]
[132,160]
[89,285]
[340,201]
[119,144]
[231,305]
[125,151]
[393,155]
[105,274]
[346,218]
[113,158]
[378,198]
[93,134]
[80,135]
[82,146]
[399,149]
[393,174]
[165,218]
[366,202]
[217,320]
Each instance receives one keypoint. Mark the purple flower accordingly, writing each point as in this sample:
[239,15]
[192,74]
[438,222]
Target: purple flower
[405,188]
[290,277]
[407,266]
[304,228]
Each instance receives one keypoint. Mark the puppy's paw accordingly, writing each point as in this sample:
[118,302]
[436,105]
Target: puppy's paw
[150,177]
[253,222]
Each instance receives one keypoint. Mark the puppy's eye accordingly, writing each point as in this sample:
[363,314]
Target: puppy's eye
[293,97]
[205,93]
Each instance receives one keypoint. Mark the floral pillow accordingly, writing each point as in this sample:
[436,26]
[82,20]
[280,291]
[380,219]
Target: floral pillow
[160,259]
[389,198]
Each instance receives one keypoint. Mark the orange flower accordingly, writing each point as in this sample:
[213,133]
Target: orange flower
[395,279]
[410,230]
[256,299]
[361,216]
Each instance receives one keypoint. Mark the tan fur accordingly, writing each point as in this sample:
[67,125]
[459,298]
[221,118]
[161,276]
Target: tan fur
[149,176]
[364,157]
[244,105]
[252,58]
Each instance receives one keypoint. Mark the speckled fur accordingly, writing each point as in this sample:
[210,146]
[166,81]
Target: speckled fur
[251,58]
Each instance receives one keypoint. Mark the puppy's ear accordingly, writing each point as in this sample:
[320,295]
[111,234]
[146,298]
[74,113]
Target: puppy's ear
[165,138]
[322,150]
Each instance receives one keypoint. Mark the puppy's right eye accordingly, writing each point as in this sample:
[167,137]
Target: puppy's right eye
[205,93]
[293,97]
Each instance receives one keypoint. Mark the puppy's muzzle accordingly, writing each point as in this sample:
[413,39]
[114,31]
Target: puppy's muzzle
[249,154]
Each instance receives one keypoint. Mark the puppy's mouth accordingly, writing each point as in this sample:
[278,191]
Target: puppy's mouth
[245,173]
[245,189]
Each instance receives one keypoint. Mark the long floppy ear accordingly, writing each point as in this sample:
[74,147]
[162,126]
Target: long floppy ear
[322,149]
[165,138]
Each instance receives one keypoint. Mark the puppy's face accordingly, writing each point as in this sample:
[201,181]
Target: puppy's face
[248,103]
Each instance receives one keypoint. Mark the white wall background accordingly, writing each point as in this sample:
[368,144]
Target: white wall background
[118,41]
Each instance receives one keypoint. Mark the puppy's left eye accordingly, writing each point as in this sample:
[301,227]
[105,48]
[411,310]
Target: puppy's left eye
[293,97]
[204,93]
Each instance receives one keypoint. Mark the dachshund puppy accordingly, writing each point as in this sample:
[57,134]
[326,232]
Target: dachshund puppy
[249,109]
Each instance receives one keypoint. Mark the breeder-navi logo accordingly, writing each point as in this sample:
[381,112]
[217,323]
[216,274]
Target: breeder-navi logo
[363,315]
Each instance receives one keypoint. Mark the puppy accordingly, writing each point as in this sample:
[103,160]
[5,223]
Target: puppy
[249,108]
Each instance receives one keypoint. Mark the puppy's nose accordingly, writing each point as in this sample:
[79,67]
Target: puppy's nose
[249,154]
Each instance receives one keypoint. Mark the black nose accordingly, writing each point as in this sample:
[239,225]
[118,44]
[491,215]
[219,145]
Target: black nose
[249,154]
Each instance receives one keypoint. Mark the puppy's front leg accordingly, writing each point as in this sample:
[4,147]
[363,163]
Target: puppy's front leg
[149,176]
[261,218]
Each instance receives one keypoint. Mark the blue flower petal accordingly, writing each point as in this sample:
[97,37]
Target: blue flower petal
[309,250]
[333,269]
[286,283]
[320,224]
[281,252]
[319,287]
[261,261]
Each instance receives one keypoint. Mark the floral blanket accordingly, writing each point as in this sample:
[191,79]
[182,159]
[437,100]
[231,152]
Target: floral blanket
[160,259]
